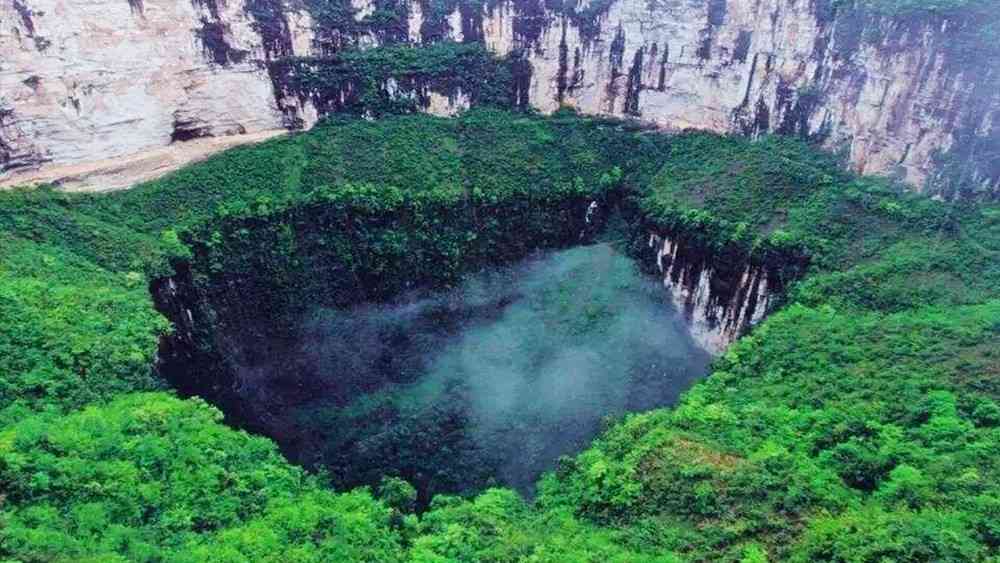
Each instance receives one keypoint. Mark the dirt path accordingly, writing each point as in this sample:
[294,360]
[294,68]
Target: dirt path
[125,171]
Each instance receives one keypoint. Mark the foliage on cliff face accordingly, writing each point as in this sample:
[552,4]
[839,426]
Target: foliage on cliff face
[397,79]
[859,423]
[381,206]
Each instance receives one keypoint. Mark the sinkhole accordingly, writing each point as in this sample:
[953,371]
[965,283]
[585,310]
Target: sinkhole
[453,382]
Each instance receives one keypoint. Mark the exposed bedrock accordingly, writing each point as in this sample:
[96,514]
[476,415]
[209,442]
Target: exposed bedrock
[89,80]
[82,80]
[895,94]
[719,298]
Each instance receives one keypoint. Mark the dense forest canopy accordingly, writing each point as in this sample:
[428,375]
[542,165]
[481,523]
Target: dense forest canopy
[860,422]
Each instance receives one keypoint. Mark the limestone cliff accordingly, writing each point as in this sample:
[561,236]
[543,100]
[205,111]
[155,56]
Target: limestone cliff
[720,299]
[83,80]
[887,90]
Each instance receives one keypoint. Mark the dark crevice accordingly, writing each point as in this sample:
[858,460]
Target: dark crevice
[521,74]
[25,14]
[211,5]
[530,20]
[188,129]
[137,6]
[217,49]
[272,25]
[472,22]
[616,56]
[662,81]
[561,78]
[742,48]
[633,85]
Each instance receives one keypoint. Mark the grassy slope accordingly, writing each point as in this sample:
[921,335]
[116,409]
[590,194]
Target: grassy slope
[859,423]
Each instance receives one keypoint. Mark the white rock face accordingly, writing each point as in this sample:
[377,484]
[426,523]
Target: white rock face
[90,80]
[440,104]
[85,80]
[715,320]
[745,65]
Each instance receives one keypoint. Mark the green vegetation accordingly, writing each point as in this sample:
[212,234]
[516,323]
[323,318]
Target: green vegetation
[151,478]
[338,25]
[859,423]
[357,80]
[387,205]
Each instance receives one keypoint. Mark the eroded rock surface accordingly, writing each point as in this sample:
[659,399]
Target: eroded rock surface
[83,80]
[89,80]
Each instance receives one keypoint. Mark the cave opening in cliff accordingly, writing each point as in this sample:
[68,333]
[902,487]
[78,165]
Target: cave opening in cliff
[456,387]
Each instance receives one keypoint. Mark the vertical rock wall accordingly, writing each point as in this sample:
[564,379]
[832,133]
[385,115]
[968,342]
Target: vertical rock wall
[719,300]
[82,80]
[891,92]
[87,81]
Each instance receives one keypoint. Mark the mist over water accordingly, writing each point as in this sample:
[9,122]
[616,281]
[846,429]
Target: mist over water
[487,383]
